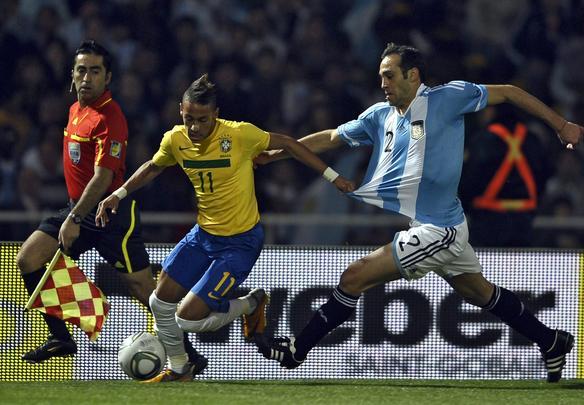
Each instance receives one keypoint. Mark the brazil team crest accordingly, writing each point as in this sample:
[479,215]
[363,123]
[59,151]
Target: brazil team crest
[225,144]
[417,130]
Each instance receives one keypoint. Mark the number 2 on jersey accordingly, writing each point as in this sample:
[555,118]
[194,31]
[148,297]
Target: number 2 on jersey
[416,242]
[210,179]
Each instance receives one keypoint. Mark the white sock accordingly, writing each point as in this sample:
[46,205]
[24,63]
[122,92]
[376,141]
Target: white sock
[178,363]
[249,304]
[169,333]
[216,320]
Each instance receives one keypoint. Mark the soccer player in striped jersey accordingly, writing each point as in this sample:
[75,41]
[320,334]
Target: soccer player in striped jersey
[217,255]
[417,137]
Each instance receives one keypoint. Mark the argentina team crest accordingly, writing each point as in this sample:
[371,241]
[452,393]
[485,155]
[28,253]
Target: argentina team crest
[417,130]
[74,149]
[225,144]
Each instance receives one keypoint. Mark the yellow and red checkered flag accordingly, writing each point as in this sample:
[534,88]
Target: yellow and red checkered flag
[64,292]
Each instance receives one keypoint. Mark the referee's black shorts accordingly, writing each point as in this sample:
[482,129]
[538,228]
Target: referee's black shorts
[119,243]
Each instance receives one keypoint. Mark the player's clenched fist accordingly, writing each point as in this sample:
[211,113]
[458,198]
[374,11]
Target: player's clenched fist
[344,185]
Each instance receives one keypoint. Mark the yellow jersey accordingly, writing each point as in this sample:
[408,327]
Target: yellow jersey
[220,168]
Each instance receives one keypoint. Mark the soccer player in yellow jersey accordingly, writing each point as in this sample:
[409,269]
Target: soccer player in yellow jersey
[217,255]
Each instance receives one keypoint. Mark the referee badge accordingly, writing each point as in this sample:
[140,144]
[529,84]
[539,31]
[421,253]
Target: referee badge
[417,130]
[116,149]
[74,152]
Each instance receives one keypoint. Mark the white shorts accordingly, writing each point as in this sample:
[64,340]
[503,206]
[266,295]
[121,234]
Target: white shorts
[424,248]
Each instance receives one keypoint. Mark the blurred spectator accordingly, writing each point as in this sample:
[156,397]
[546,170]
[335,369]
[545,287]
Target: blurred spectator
[74,29]
[29,10]
[50,111]
[492,24]
[122,46]
[266,89]
[393,22]
[233,97]
[142,120]
[562,207]
[147,65]
[280,192]
[567,182]
[261,35]
[41,182]
[295,92]
[10,44]
[32,79]
[345,103]
[9,197]
[567,82]
[185,37]
[46,26]
[317,45]
[489,29]
[203,56]
[58,60]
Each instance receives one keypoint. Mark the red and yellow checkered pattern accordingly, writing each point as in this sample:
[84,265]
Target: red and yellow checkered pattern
[65,293]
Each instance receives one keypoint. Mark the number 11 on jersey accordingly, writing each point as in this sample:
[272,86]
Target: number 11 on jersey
[209,176]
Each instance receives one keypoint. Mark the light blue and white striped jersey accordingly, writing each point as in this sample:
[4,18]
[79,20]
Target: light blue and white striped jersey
[416,162]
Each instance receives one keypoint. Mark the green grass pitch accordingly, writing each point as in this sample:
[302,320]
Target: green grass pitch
[262,392]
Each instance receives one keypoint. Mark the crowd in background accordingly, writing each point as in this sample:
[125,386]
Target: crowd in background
[288,66]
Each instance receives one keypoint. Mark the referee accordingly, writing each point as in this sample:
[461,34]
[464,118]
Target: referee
[94,151]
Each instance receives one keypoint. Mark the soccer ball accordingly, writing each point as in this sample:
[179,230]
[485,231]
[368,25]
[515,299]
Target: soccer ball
[141,356]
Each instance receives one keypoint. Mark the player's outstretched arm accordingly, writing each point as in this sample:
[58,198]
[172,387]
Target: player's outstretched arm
[317,142]
[144,175]
[302,153]
[569,133]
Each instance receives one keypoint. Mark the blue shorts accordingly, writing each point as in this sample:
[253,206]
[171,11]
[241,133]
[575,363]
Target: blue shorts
[212,266]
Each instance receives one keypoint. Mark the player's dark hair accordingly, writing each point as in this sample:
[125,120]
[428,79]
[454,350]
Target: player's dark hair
[90,47]
[410,58]
[201,91]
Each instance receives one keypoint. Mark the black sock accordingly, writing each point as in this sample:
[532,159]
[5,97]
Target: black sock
[507,306]
[57,326]
[334,312]
[191,351]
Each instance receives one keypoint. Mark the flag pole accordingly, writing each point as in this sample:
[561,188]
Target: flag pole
[45,276]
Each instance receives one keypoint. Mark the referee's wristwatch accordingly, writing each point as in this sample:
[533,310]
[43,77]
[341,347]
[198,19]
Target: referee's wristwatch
[76,218]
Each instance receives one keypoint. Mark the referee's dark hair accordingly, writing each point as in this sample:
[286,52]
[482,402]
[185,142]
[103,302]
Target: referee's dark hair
[410,58]
[93,48]
[201,91]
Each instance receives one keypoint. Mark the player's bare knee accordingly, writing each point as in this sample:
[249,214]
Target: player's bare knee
[145,286]
[191,314]
[161,308]
[475,297]
[152,302]
[24,262]
[194,326]
[472,301]
[140,287]
[473,288]
[351,279]
[141,293]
